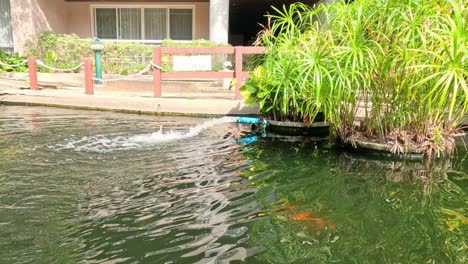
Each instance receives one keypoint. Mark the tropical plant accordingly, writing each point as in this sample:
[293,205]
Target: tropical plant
[418,83]
[399,66]
[275,83]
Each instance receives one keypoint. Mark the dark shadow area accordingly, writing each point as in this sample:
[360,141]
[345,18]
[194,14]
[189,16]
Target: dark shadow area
[246,16]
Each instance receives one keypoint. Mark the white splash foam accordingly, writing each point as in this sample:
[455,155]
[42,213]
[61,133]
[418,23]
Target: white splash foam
[160,136]
[102,143]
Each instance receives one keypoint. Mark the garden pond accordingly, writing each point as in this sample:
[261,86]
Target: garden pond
[100,187]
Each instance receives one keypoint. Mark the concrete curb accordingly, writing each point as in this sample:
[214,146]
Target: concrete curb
[121,102]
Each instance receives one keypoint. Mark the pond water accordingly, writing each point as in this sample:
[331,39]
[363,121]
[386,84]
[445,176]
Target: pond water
[96,187]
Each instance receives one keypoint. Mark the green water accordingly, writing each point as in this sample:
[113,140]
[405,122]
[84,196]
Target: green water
[92,187]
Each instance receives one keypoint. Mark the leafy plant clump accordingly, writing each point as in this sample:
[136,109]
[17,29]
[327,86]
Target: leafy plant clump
[399,67]
[58,50]
[12,59]
[68,50]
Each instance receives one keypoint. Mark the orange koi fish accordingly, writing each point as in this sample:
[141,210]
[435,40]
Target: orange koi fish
[318,222]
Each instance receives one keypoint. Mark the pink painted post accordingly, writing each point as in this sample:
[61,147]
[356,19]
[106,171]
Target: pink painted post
[238,71]
[157,80]
[32,69]
[88,71]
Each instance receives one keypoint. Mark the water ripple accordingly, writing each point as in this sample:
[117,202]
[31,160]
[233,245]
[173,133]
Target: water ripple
[90,187]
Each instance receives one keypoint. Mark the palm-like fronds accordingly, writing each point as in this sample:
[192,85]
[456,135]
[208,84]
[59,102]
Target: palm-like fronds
[399,65]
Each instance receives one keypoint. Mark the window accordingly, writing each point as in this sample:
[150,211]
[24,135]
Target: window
[155,23]
[6,34]
[129,23]
[181,24]
[143,23]
[106,23]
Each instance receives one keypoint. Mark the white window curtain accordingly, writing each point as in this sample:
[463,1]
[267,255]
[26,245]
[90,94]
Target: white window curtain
[129,23]
[181,24]
[143,23]
[106,23]
[155,23]
[6,34]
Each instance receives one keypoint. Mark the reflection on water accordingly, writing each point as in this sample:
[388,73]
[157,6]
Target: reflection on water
[73,191]
[345,208]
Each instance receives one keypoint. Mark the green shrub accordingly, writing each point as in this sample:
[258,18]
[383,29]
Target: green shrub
[68,50]
[12,59]
[58,50]
[125,58]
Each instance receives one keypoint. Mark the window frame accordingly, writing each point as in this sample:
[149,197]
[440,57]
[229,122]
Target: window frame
[9,43]
[93,7]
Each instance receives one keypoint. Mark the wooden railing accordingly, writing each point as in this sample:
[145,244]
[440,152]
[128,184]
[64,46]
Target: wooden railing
[158,74]
[238,72]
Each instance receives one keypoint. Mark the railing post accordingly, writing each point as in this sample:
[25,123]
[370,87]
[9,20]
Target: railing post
[238,71]
[88,70]
[32,70]
[97,47]
[157,80]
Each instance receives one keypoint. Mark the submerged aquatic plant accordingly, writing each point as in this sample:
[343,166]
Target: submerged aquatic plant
[399,68]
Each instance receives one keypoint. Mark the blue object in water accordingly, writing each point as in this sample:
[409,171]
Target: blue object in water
[248,120]
[247,140]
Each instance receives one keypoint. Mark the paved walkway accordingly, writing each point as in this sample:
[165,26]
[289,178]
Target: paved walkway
[197,103]
[130,97]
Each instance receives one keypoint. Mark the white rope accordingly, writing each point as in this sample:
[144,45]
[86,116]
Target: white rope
[156,66]
[13,65]
[39,62]
[146,69]
[15,78]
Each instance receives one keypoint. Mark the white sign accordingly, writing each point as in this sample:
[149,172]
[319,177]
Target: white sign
[192,63]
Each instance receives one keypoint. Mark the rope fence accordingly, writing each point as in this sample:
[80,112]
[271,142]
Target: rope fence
[158,67]
[40,63]
[13,65]
[22,78]
[155,66]
[148,68]
[32,69]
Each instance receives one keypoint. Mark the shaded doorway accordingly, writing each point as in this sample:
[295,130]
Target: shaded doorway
[246,15]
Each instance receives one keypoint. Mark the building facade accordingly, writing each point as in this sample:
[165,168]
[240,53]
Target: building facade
[145,21]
